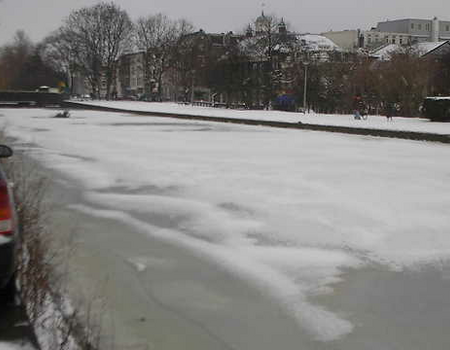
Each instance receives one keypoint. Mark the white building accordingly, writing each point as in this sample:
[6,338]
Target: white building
[351,40]
[398,32]
[130,75]
[420,30]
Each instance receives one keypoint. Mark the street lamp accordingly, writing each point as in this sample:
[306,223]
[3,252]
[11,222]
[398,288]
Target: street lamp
[192,86]
[305,64]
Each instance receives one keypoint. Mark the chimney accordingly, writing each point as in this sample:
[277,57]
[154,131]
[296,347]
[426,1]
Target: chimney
[435,30]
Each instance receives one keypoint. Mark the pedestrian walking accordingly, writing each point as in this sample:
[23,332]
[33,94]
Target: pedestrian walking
[358,107]
[390,111]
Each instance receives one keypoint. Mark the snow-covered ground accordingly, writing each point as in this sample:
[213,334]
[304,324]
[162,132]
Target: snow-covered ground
[286,210]
[373,122]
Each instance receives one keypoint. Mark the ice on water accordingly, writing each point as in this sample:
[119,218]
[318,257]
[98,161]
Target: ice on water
[285,210]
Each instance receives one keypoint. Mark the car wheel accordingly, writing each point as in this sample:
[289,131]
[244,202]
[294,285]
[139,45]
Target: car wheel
[8,293]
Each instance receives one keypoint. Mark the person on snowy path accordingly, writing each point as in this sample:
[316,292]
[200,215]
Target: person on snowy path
[390,110]
[358,106]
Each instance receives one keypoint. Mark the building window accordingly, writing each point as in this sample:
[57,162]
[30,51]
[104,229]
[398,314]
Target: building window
[401,41]
[420,27]
[393,41]
[412,25]
[427,27]
[447,28]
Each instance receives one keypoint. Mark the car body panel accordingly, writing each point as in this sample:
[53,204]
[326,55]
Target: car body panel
[8,242]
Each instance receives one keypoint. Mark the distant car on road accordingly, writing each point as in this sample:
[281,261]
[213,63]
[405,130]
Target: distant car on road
[8,233]
[47,89]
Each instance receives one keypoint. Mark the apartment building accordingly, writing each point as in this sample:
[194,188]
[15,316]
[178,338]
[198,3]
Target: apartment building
[130,75]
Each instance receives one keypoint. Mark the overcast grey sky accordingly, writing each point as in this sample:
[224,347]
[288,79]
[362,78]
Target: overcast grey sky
[40,17]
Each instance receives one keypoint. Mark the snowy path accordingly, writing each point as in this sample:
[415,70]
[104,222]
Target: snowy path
[373,122]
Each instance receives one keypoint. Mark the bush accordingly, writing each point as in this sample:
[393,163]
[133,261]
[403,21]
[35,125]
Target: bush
[63,114]
[56,323]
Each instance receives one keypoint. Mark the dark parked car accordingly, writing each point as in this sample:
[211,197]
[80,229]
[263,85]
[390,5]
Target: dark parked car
[437,109]
[8,233]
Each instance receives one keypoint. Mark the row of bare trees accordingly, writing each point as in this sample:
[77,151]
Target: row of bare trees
[332,85]
[92,39]
[89,43]
[402,81]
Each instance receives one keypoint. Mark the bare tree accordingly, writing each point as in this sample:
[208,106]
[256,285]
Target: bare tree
[157,36]
[100,34]
[404,80]
[59,51]
[13,57]
[266,37]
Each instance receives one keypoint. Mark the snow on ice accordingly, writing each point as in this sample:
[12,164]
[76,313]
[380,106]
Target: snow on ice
[286,210]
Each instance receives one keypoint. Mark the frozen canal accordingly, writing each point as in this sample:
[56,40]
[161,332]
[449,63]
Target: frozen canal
[212,236]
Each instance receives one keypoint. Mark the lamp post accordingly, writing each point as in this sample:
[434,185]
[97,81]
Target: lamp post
[192,88]
[305,64]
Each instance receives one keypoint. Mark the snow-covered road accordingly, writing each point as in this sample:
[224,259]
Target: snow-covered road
[286,211]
